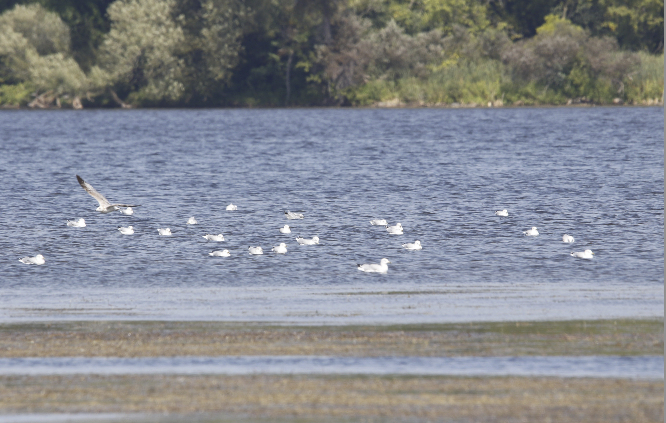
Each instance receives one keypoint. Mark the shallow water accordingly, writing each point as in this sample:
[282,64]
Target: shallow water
[644,367]
[594,173]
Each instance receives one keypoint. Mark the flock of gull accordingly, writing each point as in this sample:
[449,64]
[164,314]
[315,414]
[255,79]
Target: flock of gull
[382,267]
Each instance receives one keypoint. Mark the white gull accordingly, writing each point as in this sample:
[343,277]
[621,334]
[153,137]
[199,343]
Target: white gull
[280,249]
[165,231]
[126,231]
[394,230]
[502,213]
[587,254]
[217,238]
[305,241]
[192,221]
[567,238]
[291,215]
[285,229]
[531,232]
[379,222]
[382,267]
[38,259]
[255,251]
[77,223]
[223,253]
[232,207]
[104,205]
[416,245]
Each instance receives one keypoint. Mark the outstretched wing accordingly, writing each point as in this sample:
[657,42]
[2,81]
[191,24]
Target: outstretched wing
[93,192]
[124,205]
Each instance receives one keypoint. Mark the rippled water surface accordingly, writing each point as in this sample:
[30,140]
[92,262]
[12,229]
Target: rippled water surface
[645,367]
[594,173]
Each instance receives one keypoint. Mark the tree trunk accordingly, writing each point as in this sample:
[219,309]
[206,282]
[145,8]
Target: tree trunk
[119,101]
[76,104]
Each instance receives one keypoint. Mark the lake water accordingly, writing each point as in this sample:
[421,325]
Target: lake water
[594,173]
[644,367]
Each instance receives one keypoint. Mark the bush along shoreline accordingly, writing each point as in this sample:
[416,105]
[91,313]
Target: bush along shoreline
[339,53]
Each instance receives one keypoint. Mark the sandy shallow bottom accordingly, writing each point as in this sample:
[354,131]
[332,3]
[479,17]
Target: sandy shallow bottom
[329,398]
[622,337]
[335,398]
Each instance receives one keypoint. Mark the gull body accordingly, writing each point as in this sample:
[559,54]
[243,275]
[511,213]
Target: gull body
[38,260]
[502,213]
[292,216]
[77,223]
[280,249]
[587,254]
[216,238]
[104,205]
[567,238]
[285,229]
[192,221]
[127,211]
[223,253]
[382,267]
[305,241]
[394,230]
[165,231]
[531,232]
[416,245]
[255,251]
[379,222]
[126,231]
[232,207]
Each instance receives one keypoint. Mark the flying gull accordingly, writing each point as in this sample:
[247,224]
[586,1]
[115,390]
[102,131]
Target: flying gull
[104,205]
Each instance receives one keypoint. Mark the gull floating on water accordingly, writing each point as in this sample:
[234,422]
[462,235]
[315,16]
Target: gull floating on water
[531,232]
[38,259]
[291,215]
[285,229]
[394,230]
[382,267]
[126,231]
[165,231]
[502,213]
[587,254]
[280,249]
[77,223]
[255,251]
[223,253]
[305,241]
[379,222]
[192,221]
[567,238]
[104,205]
[416,245]
[232,207]
[127,211]
[217,238]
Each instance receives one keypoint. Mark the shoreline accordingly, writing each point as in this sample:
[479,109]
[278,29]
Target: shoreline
[401,106]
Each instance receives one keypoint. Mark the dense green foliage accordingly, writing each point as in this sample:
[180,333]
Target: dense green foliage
[329,52]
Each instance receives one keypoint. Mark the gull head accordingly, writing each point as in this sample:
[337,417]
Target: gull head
[315,239]
[417,242]
[384,261]
[589,252]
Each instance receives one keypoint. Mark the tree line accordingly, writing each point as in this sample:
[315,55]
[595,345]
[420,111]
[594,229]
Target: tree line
[246,53]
